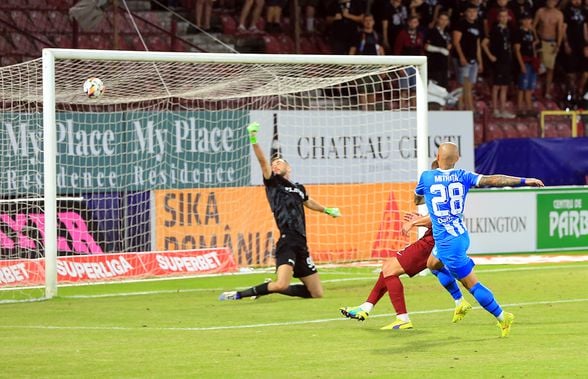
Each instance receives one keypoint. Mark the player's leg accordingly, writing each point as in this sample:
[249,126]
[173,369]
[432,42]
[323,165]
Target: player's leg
[497,111]
[362,311]
[486,299]
[410,261]
[304,269]
[284,276]
[285,261]
[313,285]
[453,255]
[482,294]
[434,263]
[391,271]
[462,306]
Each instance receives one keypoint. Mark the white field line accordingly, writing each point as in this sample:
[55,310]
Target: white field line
[370,278]
[253,326]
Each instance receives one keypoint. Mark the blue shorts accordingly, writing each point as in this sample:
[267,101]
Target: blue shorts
[528,81]
[469,71]
[452,253]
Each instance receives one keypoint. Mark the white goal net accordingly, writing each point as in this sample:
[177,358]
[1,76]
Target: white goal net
[161,161]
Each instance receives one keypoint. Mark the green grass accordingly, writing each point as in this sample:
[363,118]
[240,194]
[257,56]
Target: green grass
[178,328]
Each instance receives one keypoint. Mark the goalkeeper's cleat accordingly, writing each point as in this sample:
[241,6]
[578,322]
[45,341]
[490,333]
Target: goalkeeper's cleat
[230,295]
[505,324]
[461,310]
[398,324]
[354,312]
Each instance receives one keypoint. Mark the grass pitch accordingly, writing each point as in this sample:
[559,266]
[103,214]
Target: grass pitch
[178,328]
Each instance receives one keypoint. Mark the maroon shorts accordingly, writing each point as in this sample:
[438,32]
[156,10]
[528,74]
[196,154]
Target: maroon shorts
[413,258]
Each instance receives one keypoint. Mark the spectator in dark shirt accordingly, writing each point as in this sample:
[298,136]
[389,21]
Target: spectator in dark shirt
[344,17]
[393,21]
[525,48]
[575,20]
[492,16]
[467,55]
[422,10]
[435,8]
[367,42]
[498,48]
[438,45]
[309,10]
[520,8]
[410,41]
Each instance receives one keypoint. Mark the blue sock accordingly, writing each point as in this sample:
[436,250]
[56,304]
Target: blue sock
[486,299]
[449,282]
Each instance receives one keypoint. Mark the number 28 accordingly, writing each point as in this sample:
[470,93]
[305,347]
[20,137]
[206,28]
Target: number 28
[453,192]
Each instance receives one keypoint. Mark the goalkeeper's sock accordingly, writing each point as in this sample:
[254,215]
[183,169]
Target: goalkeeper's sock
[378,291]
[259,290]
[448,281]
[298,290]
[486,299]
[396,293]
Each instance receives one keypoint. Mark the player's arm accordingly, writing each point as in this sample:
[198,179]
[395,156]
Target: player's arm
[479,56]
[486,49]
[253,129]
[316,206]
[457,45]
[560,30]
[414,219]
[508,181]
[418,199]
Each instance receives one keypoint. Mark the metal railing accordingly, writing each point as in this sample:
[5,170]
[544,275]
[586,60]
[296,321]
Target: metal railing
[574,114]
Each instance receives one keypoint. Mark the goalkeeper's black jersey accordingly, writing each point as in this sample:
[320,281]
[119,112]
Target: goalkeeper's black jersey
[286,201]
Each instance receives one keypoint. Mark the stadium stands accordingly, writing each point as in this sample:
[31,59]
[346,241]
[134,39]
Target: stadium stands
[29,25]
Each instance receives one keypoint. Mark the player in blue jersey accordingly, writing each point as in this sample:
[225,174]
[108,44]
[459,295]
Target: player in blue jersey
[445,190]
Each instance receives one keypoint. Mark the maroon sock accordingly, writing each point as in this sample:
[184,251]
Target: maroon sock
[378,291]
[396,293]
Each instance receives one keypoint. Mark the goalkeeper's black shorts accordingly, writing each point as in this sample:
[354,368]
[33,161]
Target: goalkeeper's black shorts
[292,250]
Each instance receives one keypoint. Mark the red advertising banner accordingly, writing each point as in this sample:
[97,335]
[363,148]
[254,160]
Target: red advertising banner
[105,267]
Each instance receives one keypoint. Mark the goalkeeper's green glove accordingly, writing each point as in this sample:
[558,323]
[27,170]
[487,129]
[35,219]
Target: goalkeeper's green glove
[333,212]
[252,129]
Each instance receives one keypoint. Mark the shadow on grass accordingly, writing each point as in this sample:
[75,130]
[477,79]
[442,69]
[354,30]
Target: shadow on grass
[405,343]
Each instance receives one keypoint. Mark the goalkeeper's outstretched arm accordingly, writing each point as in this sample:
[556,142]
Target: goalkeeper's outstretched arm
[316,206]
[253,129]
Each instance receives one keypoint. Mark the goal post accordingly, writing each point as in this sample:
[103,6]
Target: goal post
[162,161]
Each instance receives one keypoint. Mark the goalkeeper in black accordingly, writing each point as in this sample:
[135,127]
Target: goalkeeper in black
[287,201]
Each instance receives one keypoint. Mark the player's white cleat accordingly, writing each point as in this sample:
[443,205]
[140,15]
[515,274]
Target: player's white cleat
[229,295]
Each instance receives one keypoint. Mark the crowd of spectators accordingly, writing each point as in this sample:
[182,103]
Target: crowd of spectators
[516,45]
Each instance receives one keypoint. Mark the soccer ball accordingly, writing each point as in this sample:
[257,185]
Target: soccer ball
[94,88]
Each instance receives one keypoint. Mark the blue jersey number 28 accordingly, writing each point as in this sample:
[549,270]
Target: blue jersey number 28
[452,193]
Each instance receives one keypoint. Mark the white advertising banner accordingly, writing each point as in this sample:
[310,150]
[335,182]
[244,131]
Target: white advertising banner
[501,221]
[358,147]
